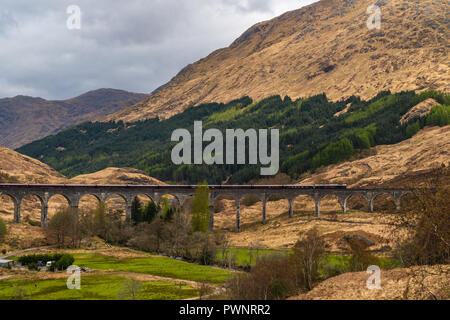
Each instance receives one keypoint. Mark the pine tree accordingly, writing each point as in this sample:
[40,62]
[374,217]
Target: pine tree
[412,129]
[136,211]
[149,212]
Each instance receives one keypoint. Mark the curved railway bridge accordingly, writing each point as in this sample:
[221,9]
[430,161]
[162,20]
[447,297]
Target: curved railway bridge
[73,194]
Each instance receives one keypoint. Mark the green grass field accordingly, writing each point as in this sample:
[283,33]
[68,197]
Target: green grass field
[108,287]
[93,287]
[154,265]
[334,264]
[244,257]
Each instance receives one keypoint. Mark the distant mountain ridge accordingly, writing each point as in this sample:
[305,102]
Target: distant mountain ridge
[25,119]
[325,47]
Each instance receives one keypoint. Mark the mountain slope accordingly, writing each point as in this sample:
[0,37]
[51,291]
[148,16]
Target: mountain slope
[17,168]
[325,47]
[24,119]
[27,170]
[311,136]
[407,164]
[24,169]
[414,283]
[116,176]
[390,165]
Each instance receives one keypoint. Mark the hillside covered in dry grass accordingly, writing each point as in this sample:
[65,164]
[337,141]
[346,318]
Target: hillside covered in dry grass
[391,165]
[325,47]
[417,283]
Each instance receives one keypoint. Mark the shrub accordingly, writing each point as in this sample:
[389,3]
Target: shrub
[219,206]
[33,266]
[360,258]
[31,222]
[64,262]
[250,200]
[34,258]
[272,278]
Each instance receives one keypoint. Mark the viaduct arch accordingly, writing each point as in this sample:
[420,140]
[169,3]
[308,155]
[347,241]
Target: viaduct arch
[73,194]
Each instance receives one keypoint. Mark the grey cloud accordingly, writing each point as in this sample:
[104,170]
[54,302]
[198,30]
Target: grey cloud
[250,5]
[7,21]
[134,45]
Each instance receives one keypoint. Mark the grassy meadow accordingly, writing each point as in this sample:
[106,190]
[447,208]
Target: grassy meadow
[93,287]
[107,286]
[248,257]
[153,265]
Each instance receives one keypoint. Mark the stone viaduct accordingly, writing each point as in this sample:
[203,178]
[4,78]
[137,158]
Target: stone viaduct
[73,194]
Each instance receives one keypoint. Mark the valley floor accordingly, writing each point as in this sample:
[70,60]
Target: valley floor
[110,270]
[161,277]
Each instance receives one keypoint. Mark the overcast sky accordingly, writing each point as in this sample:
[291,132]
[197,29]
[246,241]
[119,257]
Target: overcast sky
[135,45]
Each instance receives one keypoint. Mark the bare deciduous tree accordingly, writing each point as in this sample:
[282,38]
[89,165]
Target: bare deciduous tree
[130,290]
[423,226]
[309,251]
